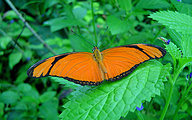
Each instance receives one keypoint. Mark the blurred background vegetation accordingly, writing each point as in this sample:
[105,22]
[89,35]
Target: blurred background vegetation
[22,97]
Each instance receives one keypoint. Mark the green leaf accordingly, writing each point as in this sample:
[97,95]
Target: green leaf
[117,26]
[79,12]
[152,4]
[186,45]
[66,82]
[14,58]
[47,96]
[49,109]
[174,20]
[24,87]
[173,50]
[176,36]
[183,62]
[182,7]
[60,23]
[111,100]
[9,97]
[125,5]
[4,41]
[2,105]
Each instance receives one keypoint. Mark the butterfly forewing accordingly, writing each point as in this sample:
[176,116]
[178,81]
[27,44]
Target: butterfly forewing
[78,67]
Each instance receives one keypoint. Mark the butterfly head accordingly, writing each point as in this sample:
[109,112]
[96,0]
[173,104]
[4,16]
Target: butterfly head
[95,49]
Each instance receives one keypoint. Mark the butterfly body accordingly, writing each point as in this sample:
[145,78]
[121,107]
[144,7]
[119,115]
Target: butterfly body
[93,68]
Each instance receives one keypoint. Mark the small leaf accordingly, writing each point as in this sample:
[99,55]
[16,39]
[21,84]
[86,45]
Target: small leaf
[24,87]
[9,97]
[79,12]
[47,96]
[125,5]
[173,50]
[152,4]
[111,100]
[174,20]
[4,41]
[14,58]
[60,23]
[117,26]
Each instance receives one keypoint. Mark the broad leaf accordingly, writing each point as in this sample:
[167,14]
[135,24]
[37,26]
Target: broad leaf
[14,58]
[174,20]
[125,4]
[111,100]
[117,26]
[152,4]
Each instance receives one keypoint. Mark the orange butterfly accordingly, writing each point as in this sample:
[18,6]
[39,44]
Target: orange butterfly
[93,68]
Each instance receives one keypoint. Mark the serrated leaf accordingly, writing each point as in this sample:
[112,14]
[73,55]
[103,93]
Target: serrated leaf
[176,36]
[14,58]
[66,82]
[174,20]
[186,45]
[152,4]
[173,50]
[111,100]
[117,26]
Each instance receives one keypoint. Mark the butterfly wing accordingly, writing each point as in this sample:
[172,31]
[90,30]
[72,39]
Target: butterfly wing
[79,67]
[121,61]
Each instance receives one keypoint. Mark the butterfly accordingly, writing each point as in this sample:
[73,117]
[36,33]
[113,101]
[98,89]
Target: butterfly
[93,68]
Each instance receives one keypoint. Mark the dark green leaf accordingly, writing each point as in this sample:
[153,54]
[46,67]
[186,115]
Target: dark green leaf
[47,96]
[49,109]
[9,97]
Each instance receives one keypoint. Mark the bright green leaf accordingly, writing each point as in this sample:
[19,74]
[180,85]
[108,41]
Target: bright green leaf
[174,20]
[125,4]
[2,105]
[111,100]
[14,58]
[4,41]
[173,50]
[117,26]
[186,45]
[66,82]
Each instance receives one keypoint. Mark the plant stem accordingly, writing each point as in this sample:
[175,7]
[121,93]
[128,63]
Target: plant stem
[29,27]
[169,98]
[93,20]
[139,115]
[182,101]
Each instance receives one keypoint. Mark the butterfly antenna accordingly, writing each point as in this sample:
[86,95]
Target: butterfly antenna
[102,35]
[81,37]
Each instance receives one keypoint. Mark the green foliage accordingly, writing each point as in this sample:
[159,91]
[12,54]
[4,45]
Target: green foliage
[116,99]
[174,20]
[163,90]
